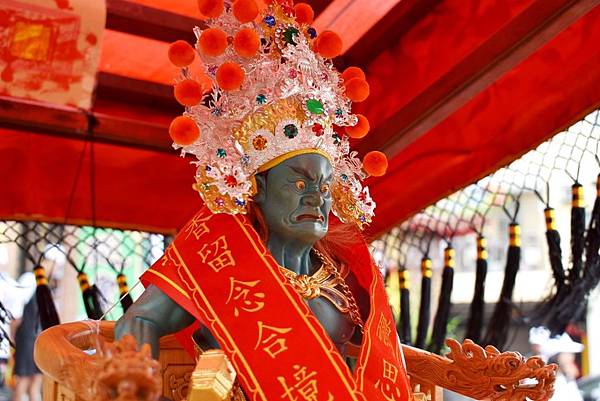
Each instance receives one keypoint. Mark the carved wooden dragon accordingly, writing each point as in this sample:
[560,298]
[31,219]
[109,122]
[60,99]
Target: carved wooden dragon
[483,374]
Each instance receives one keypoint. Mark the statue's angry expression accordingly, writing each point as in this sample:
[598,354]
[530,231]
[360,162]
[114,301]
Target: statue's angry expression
[295,197]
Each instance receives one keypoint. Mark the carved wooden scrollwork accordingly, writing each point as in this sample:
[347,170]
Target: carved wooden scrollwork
[179,385]
[482,373]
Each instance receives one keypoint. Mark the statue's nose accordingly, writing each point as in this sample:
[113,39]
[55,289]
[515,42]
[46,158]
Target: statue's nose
[313,198]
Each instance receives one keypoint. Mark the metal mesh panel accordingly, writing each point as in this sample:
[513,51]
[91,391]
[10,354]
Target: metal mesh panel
[542,177]
[571,154]
[85,249]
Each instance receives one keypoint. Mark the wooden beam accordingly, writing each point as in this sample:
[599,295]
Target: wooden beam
[73,122]
[387,31]
[135,91]
[318,5]
[137,19]
[505,49]
[341,16]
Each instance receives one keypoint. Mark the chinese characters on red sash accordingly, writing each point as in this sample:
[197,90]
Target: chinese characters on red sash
[218,270]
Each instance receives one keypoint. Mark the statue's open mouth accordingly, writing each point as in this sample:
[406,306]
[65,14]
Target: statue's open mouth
[312,217]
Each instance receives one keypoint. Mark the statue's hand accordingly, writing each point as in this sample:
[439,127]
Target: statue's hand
[126,374]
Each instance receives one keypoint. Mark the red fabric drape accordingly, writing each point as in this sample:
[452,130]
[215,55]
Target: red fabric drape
[430,49]
[134,188]
[551,89]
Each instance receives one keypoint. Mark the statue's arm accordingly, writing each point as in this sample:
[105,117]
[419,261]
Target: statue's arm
[152,316]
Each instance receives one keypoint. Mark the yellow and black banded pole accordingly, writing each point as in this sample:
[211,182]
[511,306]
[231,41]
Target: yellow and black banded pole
[47,309]
[425,305]
[440,322]
[404,329]
[477,309]
[90,297]
[124,296]
[577,234]
[497,332]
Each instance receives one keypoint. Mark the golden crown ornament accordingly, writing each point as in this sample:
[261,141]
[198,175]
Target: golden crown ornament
[275,94]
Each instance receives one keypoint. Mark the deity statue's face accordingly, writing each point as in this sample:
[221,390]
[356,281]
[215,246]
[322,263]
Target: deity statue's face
[295,197]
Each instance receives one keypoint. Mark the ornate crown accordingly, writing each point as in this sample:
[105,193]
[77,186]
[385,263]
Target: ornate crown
[274,94]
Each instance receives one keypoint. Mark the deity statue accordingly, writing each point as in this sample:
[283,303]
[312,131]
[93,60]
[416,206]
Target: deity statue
[272,273]
[274,266]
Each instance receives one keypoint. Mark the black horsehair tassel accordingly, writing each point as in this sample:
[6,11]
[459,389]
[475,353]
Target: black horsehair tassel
[440,322]
[404,328]
[574,304]
[577,233]
[48,315]
[497,332]
[558,272]
[591,271]
[90,297]
[477,310]
[425,306]
[124,296]
[554,250]
[562,312]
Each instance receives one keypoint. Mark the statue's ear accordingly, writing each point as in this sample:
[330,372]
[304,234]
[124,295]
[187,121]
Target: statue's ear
[261,188]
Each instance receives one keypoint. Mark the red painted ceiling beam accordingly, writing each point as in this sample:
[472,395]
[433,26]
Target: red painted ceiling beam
[137,19]
[116,88]
[554,87]
[386,31]
[124,130]
[440,64]
[318,5]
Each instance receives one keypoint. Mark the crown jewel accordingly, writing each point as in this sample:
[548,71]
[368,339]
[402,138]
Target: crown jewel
[274,95]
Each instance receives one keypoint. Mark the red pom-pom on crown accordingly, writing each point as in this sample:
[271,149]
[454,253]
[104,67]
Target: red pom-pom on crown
[230,76]
[181,53]
[184,131]
[375,163]
[361,129]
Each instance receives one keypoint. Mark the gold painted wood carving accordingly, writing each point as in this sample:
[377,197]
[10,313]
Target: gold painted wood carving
[73,375]
[126,374]
[177,383]
[483,374]
[79,358]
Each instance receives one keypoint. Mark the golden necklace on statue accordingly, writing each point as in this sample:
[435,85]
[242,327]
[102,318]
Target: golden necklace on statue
[328,283]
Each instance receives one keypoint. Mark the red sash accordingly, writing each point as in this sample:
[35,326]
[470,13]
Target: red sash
[218,270]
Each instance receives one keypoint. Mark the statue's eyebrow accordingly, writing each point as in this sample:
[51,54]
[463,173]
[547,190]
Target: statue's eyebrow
[304,172]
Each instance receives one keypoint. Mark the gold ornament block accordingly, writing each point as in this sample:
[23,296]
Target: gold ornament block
[213,378]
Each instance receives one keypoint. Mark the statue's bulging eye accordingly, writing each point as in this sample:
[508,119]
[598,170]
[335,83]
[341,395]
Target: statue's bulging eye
[300,185]
[324,188]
